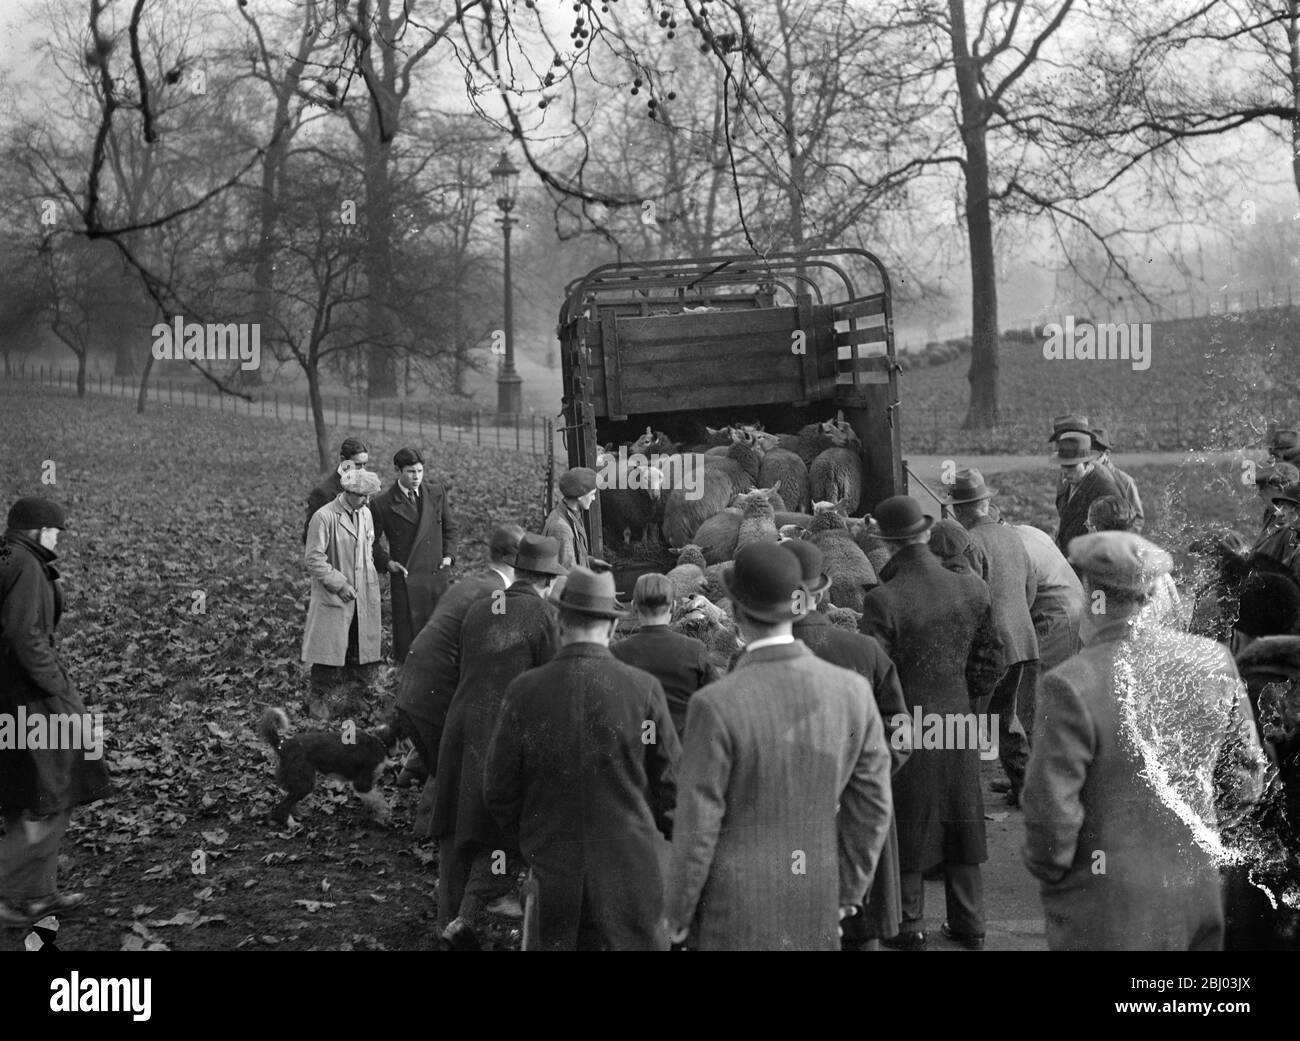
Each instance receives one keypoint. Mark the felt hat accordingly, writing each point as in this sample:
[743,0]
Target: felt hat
[968,486]
[811,561]
[1071,423]
[765,580]
[1119,560]
[539,553]
[588,593]
[36,512]
[900,517]
[577,482]
[1074,448]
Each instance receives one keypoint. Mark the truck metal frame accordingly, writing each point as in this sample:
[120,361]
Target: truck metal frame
[786,340]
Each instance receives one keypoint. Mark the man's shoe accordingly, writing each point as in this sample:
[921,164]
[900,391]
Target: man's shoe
[905,941]
[971,941]
[999,784]
[459,936]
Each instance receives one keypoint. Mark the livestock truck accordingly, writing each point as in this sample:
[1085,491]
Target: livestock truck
[677,345]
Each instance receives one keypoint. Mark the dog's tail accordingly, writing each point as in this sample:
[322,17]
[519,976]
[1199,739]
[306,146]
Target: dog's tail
[274,722]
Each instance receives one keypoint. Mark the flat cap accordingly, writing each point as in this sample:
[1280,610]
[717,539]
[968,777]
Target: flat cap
[360,482]
[1120,560]
[577,482]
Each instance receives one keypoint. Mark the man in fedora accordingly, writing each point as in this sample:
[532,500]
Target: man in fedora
[1284,447]
[504,634]
[679,662]
[1120,831]
[1002,561]
[1127,486]
[1082,481]
[581,767]
[937,627]
[566,523]
[783,799]
[882,911]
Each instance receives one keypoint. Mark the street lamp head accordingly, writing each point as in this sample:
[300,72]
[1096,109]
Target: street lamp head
[505,181]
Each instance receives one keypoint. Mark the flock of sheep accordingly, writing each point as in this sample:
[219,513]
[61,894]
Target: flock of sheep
[756,486]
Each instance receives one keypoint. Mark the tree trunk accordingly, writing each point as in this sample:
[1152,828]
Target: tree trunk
[81,374]
[323,452]
[983,373]
[381,370]
[143,397]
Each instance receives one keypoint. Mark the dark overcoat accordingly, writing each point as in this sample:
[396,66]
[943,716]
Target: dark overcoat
[1072,510]
[417,539]
[45,780]
[1126,862]
[882,913]
[325,492]
[431,672]
[1003,562]
[581,767]
[937,627]
[783,804]
[679,662]
[496,646]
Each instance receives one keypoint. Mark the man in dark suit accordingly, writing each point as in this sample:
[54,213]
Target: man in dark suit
[1002,561]
[679,662]
[882,912]
[580,766]
[783,797]
[504,634]
[1083,483]
[353,455]
[937,627]
[415,542]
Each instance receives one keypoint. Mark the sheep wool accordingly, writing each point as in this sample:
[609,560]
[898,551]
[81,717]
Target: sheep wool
[758,523]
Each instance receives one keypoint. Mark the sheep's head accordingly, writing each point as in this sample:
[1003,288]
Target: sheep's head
[756,503]
[828,516]
[692,554]
[697,608]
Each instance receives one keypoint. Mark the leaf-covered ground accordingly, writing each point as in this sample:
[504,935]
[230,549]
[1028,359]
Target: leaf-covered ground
[185,606]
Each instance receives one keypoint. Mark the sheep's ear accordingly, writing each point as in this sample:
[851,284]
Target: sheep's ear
[711,431]
[774,489]
[841,507]
[839,416]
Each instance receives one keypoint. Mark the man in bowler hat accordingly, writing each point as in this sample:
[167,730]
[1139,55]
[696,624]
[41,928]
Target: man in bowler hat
[580,766]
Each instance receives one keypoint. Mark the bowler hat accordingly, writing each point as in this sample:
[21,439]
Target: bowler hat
[764,581]
[968,486]
[588,593]
[36,512]
[1074,448]
[1119,560]
[576,483]
[815,580]
[1270,605]
[1070,424]
[539,553]
[900,517]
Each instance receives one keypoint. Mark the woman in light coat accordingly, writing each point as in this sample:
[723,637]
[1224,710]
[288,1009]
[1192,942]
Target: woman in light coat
[343,617]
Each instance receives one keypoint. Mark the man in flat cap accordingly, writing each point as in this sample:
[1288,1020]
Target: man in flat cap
[353,455]
[580,767]
[1125,861]
[342,636]
[566,523]
[38,786]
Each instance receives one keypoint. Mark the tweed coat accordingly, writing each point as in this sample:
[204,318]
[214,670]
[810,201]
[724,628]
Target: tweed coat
[679,662]
[575,770]
[417,539]
[882,913]
[1072,510]
[1003,562]
[431,672]
[783,804]
[32,678]
[1119,868]
[937,627]
[569,528]
[339,551]
[496,645]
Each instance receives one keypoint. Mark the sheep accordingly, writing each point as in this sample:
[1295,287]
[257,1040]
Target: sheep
[757,524]
[686,576]
[773,495]
[712,626]
[655,442]
[844,617]
[720,480]
[784,517]
[717,535]
[631,510]
[866,533]
[783,467]
[848,567]
[748,458]
[836,475]
[720,438]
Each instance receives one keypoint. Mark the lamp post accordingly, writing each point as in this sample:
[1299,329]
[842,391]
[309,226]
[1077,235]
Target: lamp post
[505,180]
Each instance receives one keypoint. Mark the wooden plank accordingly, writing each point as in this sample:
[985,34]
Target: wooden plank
[807,360]
[613,373]
[660,399]
[755,349]
[870,363]
[708,325]
[869,334]
[861,308]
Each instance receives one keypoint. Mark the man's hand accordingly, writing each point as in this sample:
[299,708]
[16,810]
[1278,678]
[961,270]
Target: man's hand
[846,912]
[347,593]
[446,561]
[675,935]
[394,568]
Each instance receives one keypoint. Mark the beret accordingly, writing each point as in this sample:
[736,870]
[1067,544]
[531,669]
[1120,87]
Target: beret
[1120,560]
[577,482]
[360,482]
[35,512]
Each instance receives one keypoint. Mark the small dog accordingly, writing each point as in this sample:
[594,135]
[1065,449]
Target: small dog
[301,757]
